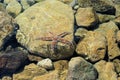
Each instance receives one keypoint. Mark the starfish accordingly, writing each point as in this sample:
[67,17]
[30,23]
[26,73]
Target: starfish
[55,39]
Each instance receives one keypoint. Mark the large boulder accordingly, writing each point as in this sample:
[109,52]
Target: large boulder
[92,46]
[46,29]
[79,69]
[109,30]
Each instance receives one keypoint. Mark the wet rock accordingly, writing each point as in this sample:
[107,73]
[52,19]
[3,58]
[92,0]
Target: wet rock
[14,8]
[105,18]
[59,73]
[109,30]
[46,63]
[27,3]
[106,70]
[117,7]
[102,6]
[118,36]
[116,63]
[6,26]
[89,18]
[61,65]
[10,61]
[92,47]
[43,22]
[29,72]
[7,78]
[81,32]
[34,58]
[79,69]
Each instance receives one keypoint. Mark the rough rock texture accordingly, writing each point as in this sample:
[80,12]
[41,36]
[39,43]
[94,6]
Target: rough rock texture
[10,61]
[59,73]
[93,46]
[8,1]
[46,63]
[29,72]
[116,63]
[81,32]
[34,58]
[86,17]
[118,36]
[6,26]
[79,69]
[14,8]
[105,18]
[106,70]
[7,78]
[27,3]
[43,22]
[110,29]
[117,7]
[102,6]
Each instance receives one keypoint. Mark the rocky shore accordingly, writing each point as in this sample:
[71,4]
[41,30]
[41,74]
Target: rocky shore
[59,39]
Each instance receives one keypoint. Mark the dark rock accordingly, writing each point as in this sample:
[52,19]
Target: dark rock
[79,69]
[10,61]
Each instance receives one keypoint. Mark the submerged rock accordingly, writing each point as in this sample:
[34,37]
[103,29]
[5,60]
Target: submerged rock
[92,46]
[46,29]
[109,30]
[106,70]
[79,69]
[86,17]
[10,61]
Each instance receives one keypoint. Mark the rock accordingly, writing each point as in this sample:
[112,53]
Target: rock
[7,78]
[101,6]
[39,0]
[118,36]
[117,21]
[92,47]
[117,7]
[118,78]
[79,69]
[34,58]
[46,63]
[29,72]
[81,32]
[10,61]
[27,3]
[6,26]
[109,29]
[89,18]
[105,18]
[116,63]
[43,22]
[106,70]
[61,65]
[14,8]
[8,1]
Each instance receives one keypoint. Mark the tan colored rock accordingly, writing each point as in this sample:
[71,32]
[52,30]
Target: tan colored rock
[117,7]
[34,58]
[6,26]
[81,32]
[105,17]
[118,36]
[7,78]
[86,17]
[60,72]
[105,70]
[14,8]
[93,46]
[116,63]
[29,72]
[109,30]
[47,19]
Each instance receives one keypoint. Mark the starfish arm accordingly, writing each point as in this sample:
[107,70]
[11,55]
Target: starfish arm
[45,38]
[63,34]
[54,45]
[66,42]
